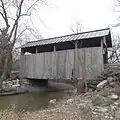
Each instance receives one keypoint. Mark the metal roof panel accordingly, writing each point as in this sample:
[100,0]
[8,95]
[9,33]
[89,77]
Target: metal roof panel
[77,36]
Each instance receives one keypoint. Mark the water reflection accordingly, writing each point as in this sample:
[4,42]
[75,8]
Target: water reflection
[29,102]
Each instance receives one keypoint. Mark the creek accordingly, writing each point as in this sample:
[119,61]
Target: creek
[30,101]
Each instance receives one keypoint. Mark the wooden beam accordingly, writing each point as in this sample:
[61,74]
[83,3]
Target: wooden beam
[75,60]
[54,64]
[36,50]
[54,48]
[84,66]
[104,41]
[22,52]
[104,44]
[105,50]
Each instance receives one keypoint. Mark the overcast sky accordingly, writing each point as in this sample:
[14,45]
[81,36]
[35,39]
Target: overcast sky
[60,15]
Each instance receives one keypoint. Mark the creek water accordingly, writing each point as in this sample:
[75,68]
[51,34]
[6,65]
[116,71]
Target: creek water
[31,101]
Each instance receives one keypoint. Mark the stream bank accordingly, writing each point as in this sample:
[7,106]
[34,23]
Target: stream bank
[20,86]
[103,103]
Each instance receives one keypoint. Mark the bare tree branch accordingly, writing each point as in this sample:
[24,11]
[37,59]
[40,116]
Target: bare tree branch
[22,32]
[9,33]
[4,15]
[77,28]
[31,6]
[16,21]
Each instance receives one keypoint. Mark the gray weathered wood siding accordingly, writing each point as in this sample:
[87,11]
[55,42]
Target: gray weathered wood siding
[85,62]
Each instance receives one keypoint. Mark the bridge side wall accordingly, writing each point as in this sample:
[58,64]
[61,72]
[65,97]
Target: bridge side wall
[85,62]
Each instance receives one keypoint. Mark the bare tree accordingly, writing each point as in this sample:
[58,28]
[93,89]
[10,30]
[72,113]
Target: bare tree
[77,28]
[12,13]
[114,52]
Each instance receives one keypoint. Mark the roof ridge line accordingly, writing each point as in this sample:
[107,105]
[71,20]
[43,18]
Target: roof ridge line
[68,35]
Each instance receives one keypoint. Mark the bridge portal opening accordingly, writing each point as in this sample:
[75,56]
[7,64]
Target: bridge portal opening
[38,82]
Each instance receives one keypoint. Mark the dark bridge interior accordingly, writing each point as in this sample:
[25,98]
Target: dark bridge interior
[38,82]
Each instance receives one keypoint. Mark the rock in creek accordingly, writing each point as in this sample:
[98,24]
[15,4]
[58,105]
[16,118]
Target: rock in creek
[102,84]
[53,101]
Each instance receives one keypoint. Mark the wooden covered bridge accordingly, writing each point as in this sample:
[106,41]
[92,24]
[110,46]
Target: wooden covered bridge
[80,55]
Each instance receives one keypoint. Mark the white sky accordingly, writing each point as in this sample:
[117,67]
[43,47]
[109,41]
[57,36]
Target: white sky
[62,14]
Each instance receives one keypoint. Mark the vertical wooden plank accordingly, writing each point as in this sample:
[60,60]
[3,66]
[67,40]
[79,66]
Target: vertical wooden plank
[50,65]
[97,61]
[102,43]
[69,63]
[36,50]
[47,65]
[67,74]
[26,65]
[101,61]
[21,66]
[38,67]
[88,66]
[44,68]
[61,64]
[76,72]
[57,64]
[54,63]
[84,65]
[80,62]
[24,69]
[43,65]
[34,66]
[30,66]
[64,65]
[32,70]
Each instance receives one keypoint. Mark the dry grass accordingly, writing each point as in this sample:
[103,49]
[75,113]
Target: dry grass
[74,108]
[10,114]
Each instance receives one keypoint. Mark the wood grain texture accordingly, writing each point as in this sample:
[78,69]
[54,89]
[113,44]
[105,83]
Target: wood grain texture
[87,63]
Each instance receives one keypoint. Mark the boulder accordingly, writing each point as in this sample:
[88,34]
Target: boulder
[53,101]
[102,109]
[10,85]
[69,101]
[110,79]
[81,87]
[114,97]
[102,84]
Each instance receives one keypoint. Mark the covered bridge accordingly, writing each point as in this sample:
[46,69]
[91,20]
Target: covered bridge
[80,55]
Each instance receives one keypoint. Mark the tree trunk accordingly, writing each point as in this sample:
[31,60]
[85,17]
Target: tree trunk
[7,68]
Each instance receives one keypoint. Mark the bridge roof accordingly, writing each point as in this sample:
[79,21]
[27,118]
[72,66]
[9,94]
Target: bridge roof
[73,37]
